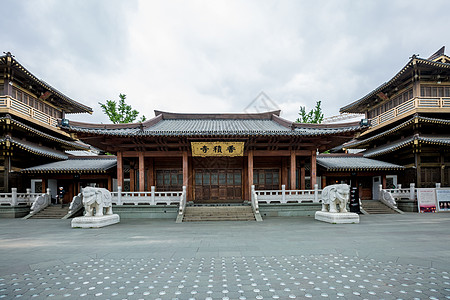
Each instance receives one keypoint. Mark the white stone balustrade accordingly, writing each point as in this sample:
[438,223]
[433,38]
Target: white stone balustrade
[146,198]
[15,199]
[289,196]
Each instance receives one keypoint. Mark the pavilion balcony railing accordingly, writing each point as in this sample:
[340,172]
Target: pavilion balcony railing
[31,112]
[146,198]
[284,196]
[410,105]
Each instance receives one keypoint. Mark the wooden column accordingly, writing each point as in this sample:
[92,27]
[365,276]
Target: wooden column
[284,172]
[119,169]
[109,183]
[302,175]
[44,186]
[324,181]
[250,172]
[293,171]
[313,168]
[185,169]
[245,191]
[190,190]
[141,172]
[132,179]
[383,181]
[150,181]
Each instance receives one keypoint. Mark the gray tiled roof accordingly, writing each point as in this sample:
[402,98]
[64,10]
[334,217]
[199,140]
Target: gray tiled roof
[79,165]
[354,163]
[388,147]
[34,148]
[213,125]
[75,107]
[359,105]
[435,140]
[75,145]
[423,119]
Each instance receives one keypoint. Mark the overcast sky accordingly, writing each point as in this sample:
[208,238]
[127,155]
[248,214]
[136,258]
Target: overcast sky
[217,56]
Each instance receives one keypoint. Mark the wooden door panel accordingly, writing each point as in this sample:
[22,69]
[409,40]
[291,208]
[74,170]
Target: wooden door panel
[212,185]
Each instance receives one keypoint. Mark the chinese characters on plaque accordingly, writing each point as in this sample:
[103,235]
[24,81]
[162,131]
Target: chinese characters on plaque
[205,149]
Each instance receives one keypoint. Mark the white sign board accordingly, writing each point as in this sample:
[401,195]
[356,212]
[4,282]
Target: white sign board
[443,199]
[426,200]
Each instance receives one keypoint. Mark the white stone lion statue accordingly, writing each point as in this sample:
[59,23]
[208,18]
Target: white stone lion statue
[335,194]
[96,198]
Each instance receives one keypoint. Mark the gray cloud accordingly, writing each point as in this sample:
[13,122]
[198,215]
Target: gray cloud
[216,56]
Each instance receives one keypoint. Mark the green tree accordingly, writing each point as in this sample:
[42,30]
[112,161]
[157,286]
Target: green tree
[120,112]
[313,116]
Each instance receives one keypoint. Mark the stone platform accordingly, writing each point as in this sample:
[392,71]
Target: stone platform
[95,222]
[337,218]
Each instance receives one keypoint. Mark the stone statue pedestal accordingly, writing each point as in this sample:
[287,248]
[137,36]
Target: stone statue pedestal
[95,222]
[337,218]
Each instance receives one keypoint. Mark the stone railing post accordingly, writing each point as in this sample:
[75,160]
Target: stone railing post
[28,197]
[412,189]
[438,185]
[399,186]
[283,193]
[119,195]
[49,192]
[316,193]
[14,196]
[152,195]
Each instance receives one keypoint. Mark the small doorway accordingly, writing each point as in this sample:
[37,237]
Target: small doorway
[376,181]
[218,186]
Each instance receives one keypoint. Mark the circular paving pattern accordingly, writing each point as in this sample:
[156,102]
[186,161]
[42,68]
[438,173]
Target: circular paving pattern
[258,277]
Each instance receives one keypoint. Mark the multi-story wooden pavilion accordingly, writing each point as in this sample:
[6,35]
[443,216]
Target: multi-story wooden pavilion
[410,121]
[29,135]
[216,156]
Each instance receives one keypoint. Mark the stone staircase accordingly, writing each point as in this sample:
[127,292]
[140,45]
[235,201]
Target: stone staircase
[376,207]
[218,213]
[51,212]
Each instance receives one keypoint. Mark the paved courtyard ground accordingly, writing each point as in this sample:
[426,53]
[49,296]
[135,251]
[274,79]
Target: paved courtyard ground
[383,257]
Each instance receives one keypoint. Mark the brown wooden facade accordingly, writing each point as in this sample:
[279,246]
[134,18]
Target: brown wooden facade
[158,152]
[29,135]
[410,121]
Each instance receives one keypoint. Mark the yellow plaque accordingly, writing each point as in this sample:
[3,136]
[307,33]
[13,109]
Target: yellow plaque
[204,149]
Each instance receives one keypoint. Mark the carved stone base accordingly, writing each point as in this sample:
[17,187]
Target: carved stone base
[95,222]
[337,218]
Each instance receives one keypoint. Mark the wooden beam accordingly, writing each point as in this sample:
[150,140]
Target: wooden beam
[119,169]
[313,168]
[141,172]
[153,153]
[281,152]
[293,171]
[250,172]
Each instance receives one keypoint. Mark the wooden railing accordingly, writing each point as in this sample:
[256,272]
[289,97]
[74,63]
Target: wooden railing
[31,112]
[289,196]
[408,106]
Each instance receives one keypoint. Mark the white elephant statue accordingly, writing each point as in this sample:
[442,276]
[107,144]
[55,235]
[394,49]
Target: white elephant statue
[335,194]
[97,198]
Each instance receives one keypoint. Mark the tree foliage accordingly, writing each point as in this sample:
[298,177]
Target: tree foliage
[313,116]
[120,112]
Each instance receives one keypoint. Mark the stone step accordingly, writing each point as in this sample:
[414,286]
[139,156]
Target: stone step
[218,213]
[51,212]
[377,207]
